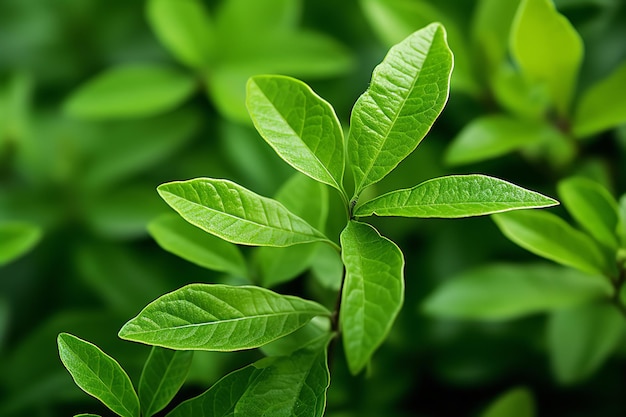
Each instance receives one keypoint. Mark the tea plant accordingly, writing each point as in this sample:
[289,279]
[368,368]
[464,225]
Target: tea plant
[407,92]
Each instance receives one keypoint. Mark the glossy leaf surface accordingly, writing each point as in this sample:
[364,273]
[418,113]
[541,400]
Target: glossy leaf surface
[517,402]
[455,196]
[236,214]
[372,294]
[99,375]
[508,291]
[219,318]
[17,238]
[407,92]
[299,125]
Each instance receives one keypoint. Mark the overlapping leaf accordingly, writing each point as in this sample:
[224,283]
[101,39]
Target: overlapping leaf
[455,196]
[407,92]
[219,318]
[17,238]
[372,294]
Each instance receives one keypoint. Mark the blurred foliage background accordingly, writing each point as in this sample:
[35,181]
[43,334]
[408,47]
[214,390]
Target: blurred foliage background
[82,182]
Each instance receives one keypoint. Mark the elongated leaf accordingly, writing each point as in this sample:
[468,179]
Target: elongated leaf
[162,376]
[175,235]
[17,238]
[130,91]
[372,294]
[299,125]
[407,92]
[98,375]
[621,227]
[547,235]
[236,214]
[593,207]
[517,402]
[184,27]
[548,49]
[86,415]
[492,136]
[507,291]
[581,339]
[599,107]
[219,318]
[455,196]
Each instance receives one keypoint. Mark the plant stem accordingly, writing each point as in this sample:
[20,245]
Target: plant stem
[334,319]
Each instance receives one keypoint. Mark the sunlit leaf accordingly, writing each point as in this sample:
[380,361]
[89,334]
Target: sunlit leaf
[517,402]
[372,294]
[99,375]
[219,317]
[507,291]
[455,196]
[236,214]
[315,331]
[17,238]
[130,91]
[163,374]
[407,92]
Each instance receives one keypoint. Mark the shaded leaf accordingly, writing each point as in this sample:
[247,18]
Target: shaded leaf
[315,331]
[407,92]
[516,402]
[327,267]
[219,317]
[519,95]
[249,19]
[372,294]
[17,238]
[130,91]
[236,214]
[507,291]
[98,375]
[621,227]
[455,196]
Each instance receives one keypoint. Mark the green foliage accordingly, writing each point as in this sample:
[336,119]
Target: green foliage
[17,239]
[517,402]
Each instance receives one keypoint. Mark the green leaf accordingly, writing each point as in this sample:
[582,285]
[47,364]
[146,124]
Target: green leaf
[299,125]
[372,294]
[219,318]
[17,238]
[547,235]
[184,27]
[177,236]
[548,49]
[162,376]
[455,196]
[507,291]
[247,19]
[327,267]
[516,402]
[593,207]
[621,227]
[518,95]
[315,331]
[407,92]
[236,214]
[581,339]
[130,91]
[599,108]
[86,415]
[493,136]
[98,375]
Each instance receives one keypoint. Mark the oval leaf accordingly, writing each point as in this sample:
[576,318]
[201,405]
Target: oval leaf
[219,318]
[16,239]
[99,375]
[235,214]
[163,374]
[455,196]
[407,92]
[506,291]
[130,91]
[547,235]
[372,294]
[517,402]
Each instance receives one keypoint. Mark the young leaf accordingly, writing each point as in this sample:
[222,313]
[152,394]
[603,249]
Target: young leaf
[98,375]
[17,238]
[175,235]
[593,207]
[219,318]
[600,108]
[236,214]
[130,91]
[548,49]
[547,235]
[163,374]
[517,402]
[506,291]
[299,125]
[455,196]
[581,339]
[184,27]
[372,294]
[407,92]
